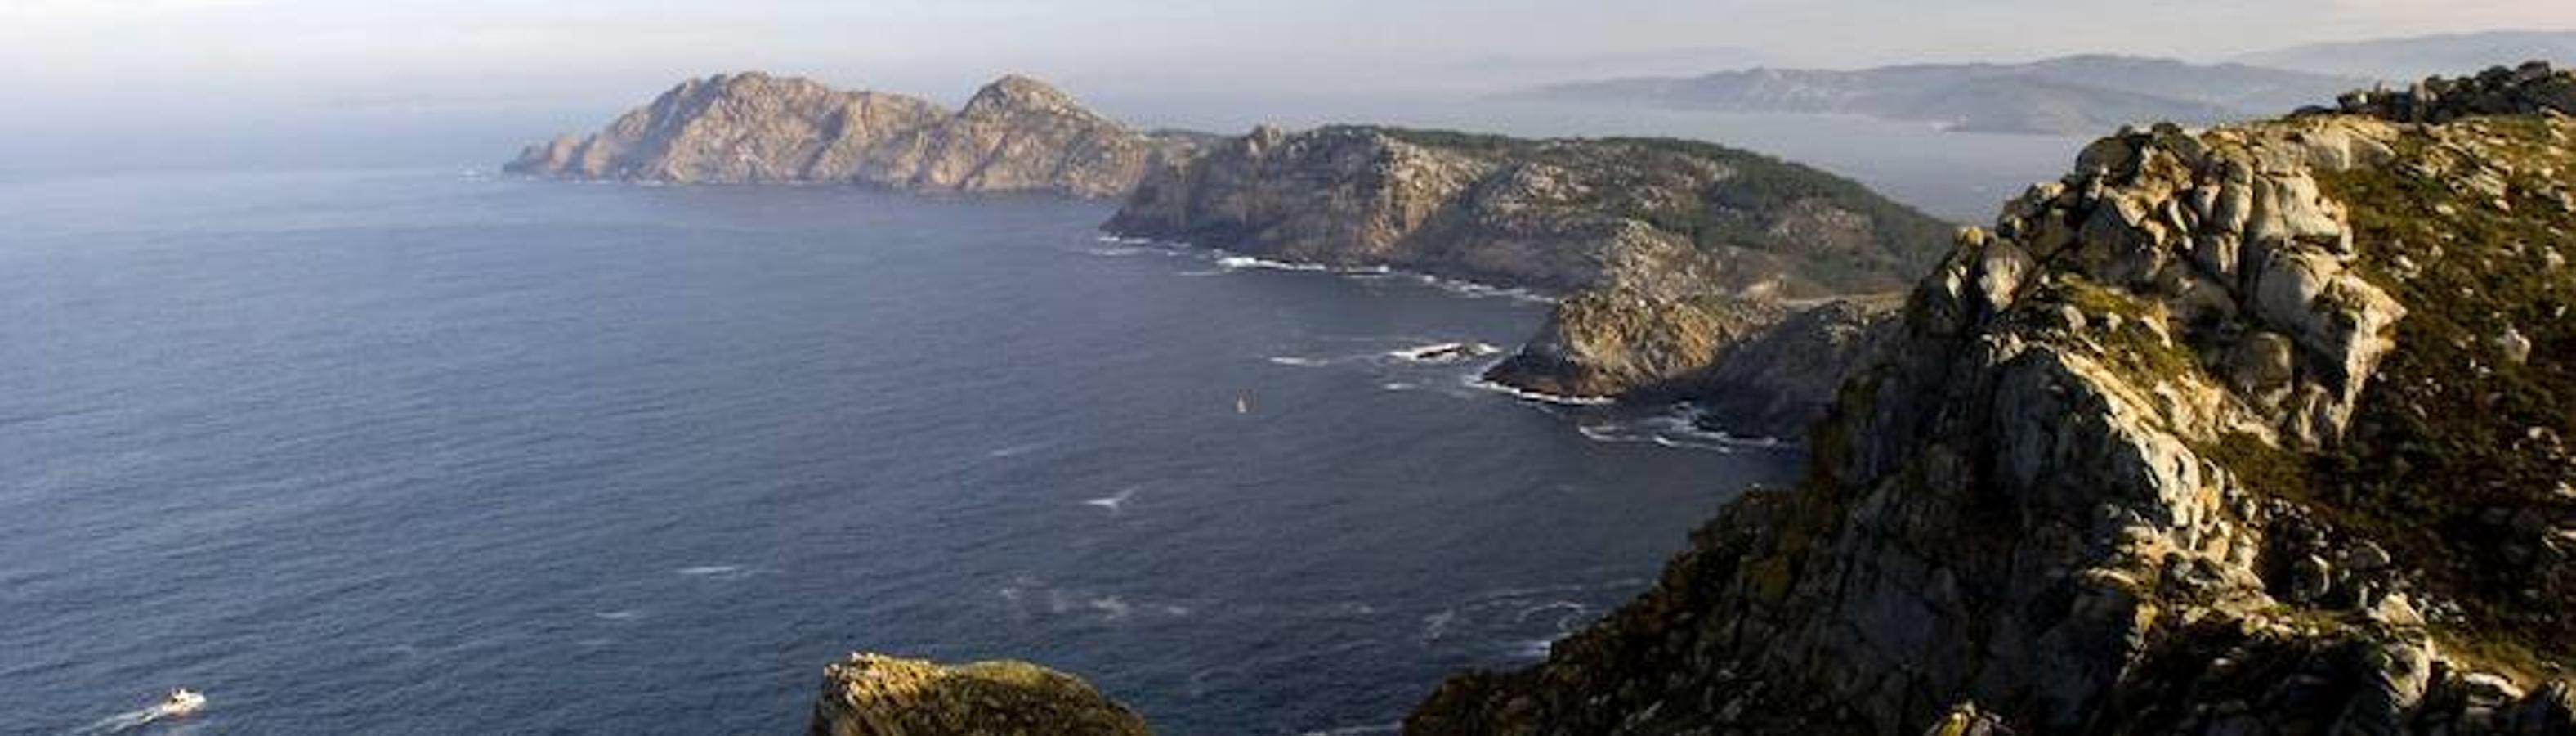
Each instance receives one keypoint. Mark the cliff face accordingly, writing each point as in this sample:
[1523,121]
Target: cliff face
[1660,217]
[1017,134]
[1780,381]
[2252,431]
[876,695]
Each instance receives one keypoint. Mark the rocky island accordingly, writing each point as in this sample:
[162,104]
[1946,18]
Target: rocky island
[1015,135]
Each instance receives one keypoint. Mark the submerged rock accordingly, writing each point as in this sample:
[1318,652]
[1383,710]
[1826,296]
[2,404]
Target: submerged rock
[877,695]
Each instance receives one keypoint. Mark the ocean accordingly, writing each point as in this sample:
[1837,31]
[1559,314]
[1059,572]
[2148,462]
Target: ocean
[420,452]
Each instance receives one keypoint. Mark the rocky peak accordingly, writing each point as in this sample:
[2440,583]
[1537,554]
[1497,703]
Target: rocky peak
[1016,93]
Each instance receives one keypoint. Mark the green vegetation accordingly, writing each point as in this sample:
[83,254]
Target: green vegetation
[2131,347]
[2452,432]
[1749,207]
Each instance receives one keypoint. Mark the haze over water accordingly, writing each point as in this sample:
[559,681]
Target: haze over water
[403,452]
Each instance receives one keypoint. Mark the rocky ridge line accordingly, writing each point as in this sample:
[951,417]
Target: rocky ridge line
[1016,135]
[1658,216]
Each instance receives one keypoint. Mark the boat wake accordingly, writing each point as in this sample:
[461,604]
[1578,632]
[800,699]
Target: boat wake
[175,707]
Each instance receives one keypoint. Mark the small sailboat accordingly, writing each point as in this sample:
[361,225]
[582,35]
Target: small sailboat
[1242,404]
[182,701]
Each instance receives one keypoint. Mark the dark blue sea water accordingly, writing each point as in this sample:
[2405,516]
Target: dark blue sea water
[414,453]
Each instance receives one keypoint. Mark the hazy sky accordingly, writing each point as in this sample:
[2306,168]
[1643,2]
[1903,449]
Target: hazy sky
[358,52]
[108,73]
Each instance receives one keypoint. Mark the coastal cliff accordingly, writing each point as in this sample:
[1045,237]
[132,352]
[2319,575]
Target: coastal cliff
[1654,216]
[877,695]
[2248,431]
[1015,135]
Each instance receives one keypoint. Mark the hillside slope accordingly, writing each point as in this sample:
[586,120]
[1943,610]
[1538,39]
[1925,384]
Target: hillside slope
[2066,95]
[1660,215]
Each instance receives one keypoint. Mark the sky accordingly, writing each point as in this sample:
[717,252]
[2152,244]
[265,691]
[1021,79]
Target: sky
[107,65]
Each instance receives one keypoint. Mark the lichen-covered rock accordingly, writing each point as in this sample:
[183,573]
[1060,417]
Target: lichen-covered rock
[1673,218]
[877,695]
[2527,89]
[2175,449]
[1017,134]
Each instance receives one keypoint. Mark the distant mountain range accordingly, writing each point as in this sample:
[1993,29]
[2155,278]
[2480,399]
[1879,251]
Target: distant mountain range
[2067,95]
[2413,58]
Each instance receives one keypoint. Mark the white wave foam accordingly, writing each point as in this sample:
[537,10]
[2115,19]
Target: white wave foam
[1477,380]
[624,614]
[1399,386]
[1436,626]
[1444,352]
[1300,362]
[1015,450]
[1111,607]
[1677,429]
[1241,262]
[1475,290]
[1114,504]
[1532,648]
[711,571]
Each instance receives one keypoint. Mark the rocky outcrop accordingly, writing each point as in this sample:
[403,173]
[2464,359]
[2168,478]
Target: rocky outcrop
[1616,342]
[1755,367]
[2524,90]
[2210,437]
[1658,217]
[1016,134]
[876,695]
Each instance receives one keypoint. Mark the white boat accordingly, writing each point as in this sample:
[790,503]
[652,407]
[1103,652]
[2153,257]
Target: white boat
[182,701]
